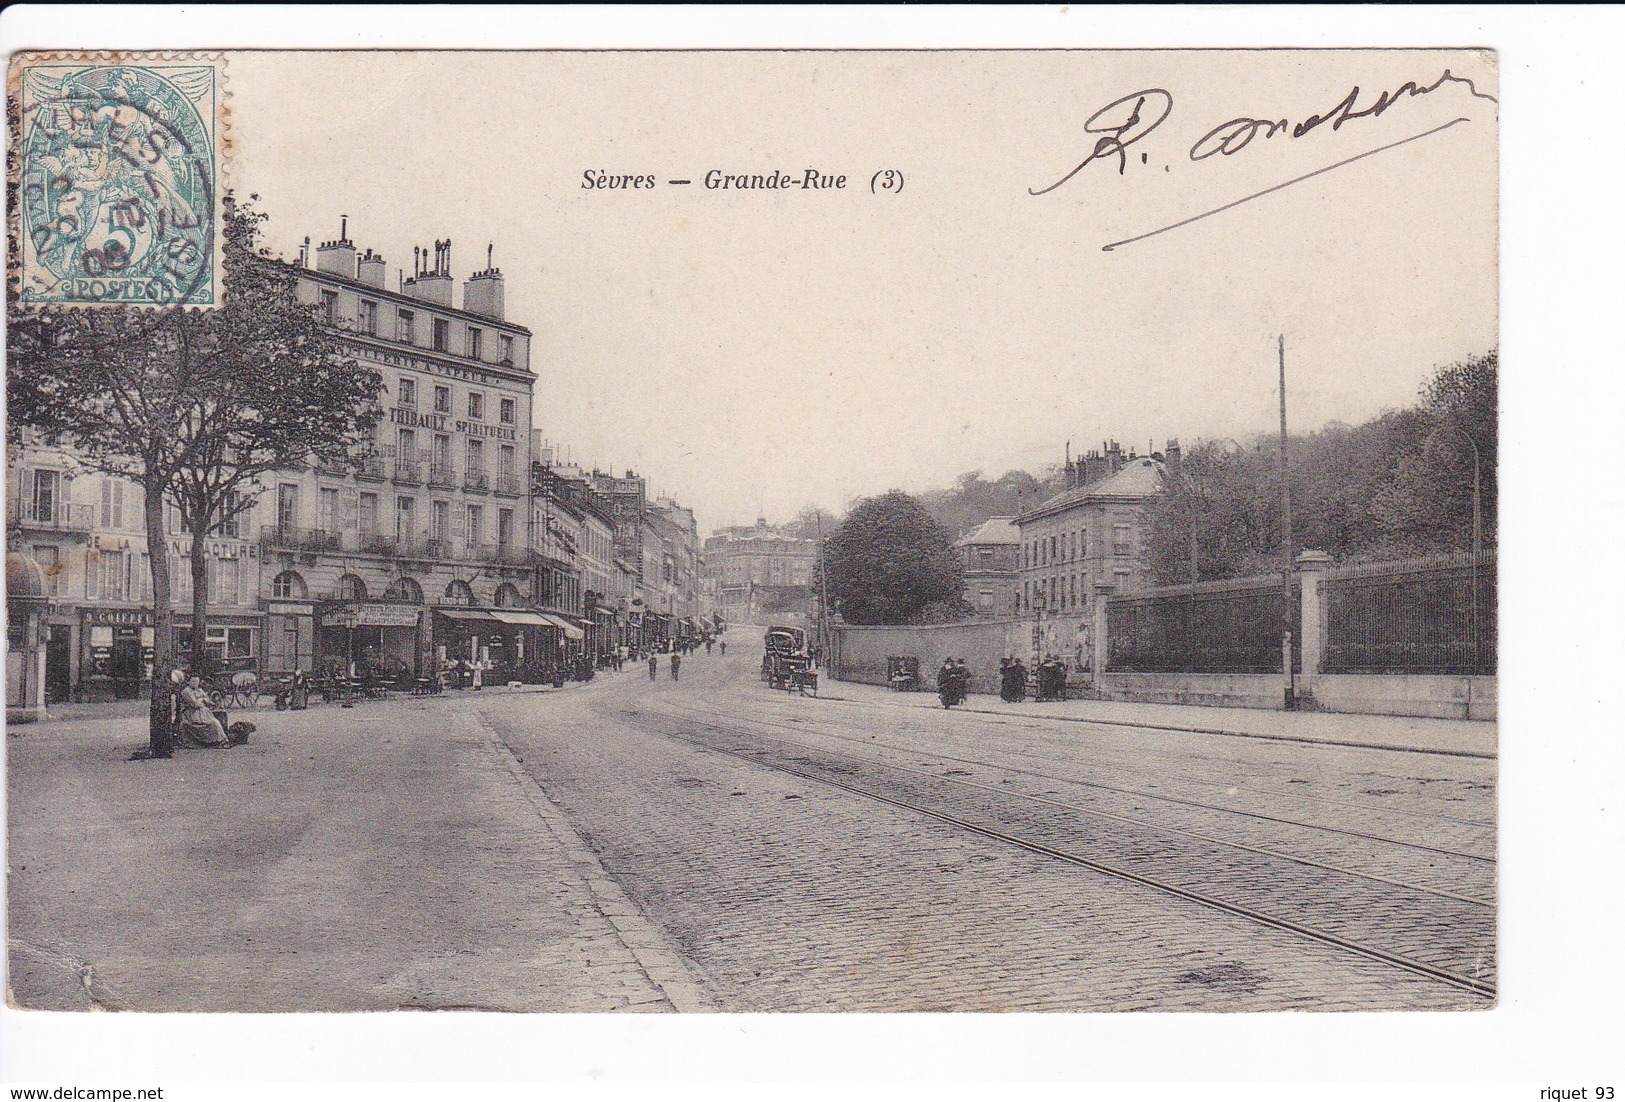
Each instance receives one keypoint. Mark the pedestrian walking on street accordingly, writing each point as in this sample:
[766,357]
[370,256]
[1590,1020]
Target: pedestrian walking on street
[654,665]
[724,645]
[676,664]
[708,646]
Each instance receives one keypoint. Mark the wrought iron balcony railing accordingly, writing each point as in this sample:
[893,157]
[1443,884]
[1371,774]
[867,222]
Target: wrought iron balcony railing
[477,481]
[510,484]
[443,475]
[289,538]
[62,516]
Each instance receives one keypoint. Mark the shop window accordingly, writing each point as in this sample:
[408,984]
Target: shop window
[226,644]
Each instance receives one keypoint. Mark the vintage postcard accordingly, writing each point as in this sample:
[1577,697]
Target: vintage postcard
[744,531]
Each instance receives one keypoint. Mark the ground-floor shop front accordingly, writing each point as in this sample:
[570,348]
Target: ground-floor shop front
[509,644]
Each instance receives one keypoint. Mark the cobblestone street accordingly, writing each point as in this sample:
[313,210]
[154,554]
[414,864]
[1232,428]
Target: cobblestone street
[710,844]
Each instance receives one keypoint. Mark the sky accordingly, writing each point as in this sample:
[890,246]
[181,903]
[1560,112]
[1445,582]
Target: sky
[759,351]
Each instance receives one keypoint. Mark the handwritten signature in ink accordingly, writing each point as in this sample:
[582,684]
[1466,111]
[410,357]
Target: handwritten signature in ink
[1133,117]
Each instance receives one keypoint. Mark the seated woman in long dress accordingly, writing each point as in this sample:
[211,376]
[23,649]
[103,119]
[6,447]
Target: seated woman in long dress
[198,725]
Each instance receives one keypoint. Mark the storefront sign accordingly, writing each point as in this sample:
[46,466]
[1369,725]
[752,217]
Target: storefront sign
[286,608]
[371,615]
[136,617]
[219,549]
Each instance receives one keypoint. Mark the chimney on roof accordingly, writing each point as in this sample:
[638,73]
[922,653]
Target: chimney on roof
[338,257]
[371,269]
[431,280]
[1174,455]
[484,292]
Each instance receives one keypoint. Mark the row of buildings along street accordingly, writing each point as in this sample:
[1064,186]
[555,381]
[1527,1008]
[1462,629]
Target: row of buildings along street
[460,534]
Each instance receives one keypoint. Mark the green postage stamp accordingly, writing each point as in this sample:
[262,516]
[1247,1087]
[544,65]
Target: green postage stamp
[116,169]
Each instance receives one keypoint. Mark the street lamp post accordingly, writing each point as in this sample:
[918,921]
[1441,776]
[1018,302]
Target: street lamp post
[1039,602]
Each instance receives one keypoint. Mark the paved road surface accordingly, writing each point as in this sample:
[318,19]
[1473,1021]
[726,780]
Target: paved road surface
[711,844]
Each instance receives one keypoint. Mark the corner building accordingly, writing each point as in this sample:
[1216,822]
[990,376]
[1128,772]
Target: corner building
[419,548]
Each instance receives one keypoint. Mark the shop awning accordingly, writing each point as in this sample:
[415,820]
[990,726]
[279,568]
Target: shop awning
[522,619]
[569,629]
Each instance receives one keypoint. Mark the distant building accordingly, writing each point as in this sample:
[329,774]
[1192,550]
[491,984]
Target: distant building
[762,573]
[1089,534]
[990,556]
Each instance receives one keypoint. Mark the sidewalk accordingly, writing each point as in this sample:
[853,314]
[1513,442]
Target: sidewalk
[387,856]
[134,709]
[1466,738]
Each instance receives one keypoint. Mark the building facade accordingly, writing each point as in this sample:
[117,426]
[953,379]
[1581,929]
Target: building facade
[989,556]
[439,540]
[1087,536]
[398,557]
[763,574]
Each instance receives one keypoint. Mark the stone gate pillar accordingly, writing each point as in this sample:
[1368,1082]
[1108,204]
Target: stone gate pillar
[1311,621]
[1099,648]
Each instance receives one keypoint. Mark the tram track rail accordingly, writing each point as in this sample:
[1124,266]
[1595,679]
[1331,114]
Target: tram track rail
[1138,793]
[1033,722]
[1197,835]
[864,777]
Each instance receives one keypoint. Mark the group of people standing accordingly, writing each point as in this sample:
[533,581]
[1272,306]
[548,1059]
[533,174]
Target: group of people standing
[1051,680]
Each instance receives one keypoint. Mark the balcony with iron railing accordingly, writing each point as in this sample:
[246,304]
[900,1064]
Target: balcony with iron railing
[372,466]
[510,485]
[376,543]
[407,471]
[442,475]
[61,516]
[291,538]
[476,481]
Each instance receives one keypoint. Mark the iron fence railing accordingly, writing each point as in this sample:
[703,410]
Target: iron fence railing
[1214,627]
[1433,615]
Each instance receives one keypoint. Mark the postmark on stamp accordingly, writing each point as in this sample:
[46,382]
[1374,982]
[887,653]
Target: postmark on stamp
[116,168]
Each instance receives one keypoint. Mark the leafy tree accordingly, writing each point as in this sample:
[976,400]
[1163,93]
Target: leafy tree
[973,499]
[280,391]
[176,401]
[889,560]
[1398,485]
